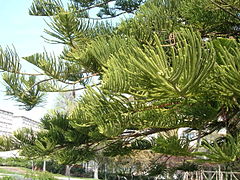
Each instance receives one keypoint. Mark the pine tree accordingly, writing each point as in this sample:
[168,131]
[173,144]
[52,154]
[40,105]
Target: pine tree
[160,70]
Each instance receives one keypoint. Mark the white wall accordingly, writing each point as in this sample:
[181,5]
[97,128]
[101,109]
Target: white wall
[10,123]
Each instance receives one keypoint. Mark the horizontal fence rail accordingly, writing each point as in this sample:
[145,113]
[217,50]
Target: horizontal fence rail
[211,175]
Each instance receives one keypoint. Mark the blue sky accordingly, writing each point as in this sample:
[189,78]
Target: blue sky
[24,32]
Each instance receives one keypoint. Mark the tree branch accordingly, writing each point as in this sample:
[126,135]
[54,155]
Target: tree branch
[156,107]
[77,89]
[75,82]
[229,12]
[147,132]
[133,136]
[70,83]
[23,73]
[233,7]
[109,17]
[94,6]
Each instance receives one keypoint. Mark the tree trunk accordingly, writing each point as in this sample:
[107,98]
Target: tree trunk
[44,165]
[199,139]
[86,166]
[105,171]
[68,170]
[32,165]
[95,170]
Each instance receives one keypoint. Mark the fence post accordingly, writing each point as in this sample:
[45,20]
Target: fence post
[219,173]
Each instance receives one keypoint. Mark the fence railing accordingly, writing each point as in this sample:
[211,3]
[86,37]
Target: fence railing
[196,175]
[211,175]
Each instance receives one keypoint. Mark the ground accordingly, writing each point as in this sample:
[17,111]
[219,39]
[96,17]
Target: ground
[18,171]
[13,169]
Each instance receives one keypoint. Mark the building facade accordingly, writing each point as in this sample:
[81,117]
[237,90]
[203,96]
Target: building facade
[10,123]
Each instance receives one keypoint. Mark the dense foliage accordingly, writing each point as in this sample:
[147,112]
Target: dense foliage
[172,64]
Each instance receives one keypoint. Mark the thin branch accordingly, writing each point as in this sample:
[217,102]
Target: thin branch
[23,73]
[204,135]
[75,82]
[94,6]
[147,132]
[39,82]
[168,157]
[109,17]
[229,12]
[156,107]
[135,135]
[77,89]
[231,6]
[71,83]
